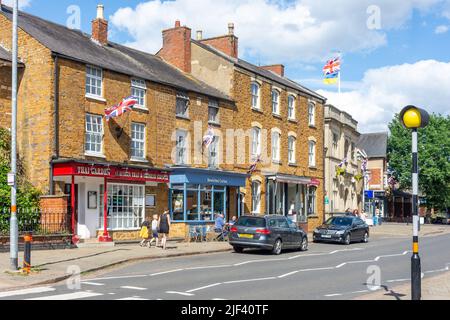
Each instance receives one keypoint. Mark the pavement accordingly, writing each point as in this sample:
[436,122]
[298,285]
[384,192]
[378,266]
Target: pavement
[130,262]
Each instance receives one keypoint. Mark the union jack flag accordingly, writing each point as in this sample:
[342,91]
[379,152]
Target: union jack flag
[254,165]
[332,66]
[208,138]
[119,109]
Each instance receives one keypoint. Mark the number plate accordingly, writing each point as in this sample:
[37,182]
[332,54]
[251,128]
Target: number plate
[247,236]
[328,236]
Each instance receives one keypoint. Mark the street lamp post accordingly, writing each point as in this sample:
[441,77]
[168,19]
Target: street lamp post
[414,118]
[14,233]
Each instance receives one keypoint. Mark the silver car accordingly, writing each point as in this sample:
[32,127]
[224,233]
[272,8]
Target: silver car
[270,232]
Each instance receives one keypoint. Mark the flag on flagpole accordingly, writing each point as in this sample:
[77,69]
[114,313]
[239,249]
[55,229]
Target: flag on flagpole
[125,106]
[332,70]
[208,138]
[254,165]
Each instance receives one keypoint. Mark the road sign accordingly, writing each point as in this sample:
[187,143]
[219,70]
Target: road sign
[368,194]
[11,179]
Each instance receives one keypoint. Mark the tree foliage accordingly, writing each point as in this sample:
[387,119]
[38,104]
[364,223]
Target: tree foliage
[434,159]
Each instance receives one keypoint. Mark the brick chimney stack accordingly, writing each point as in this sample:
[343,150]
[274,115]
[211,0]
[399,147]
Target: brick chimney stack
[276,68]
[228,44]
[100,27]
[176,48]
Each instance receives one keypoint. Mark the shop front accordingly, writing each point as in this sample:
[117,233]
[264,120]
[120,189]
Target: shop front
[108,200]
[292,196]
[197,196]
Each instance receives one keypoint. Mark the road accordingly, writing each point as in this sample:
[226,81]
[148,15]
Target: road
[325,271]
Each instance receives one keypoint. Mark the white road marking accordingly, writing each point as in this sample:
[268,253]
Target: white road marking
[361,261]
[165,272]
[133,288]
[132,298]
[397,280]
[218,299]
[111,293]
[181,293]
[69,296]
[316,269]
[205,287]
[93,283]
[361,291]
[209,267]
[341,265]
[250,280]
[25,291]
[287,274]
[119,277]
[333,295]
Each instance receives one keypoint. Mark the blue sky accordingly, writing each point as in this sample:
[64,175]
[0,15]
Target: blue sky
[381,70]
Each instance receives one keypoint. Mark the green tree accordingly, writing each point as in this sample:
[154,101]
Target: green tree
[434,158]
[27,195]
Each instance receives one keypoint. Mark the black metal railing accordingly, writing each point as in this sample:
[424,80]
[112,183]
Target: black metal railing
[37,221]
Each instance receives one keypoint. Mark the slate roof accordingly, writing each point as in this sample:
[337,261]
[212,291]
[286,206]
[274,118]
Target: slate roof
[77,45]
[4,54]
[262,72]
[375,144]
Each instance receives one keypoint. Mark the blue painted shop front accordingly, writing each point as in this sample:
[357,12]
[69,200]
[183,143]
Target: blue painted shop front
[198,195]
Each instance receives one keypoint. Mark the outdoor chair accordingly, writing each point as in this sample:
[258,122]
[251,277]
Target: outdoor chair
[194,233]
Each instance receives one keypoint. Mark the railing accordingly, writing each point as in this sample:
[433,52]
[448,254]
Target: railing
[37,221]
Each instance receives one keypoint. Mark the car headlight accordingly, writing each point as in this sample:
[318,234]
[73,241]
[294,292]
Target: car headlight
[316,230]
[340,232]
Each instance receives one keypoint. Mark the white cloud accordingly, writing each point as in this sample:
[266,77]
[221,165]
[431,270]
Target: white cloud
[441,29]
[22,3]
[385,91]
[305,30]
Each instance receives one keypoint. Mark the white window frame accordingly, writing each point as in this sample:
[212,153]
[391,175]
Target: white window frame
[94,133]
[142,141]
[292,141]
[213,104]
[140,86]
[184,159]
[214,147]
[311,113]
[256,95]
[275,102]
[276,137]
[312,153]
[90,76]
[256,197]
[256,143]
[182,96]
[291,107]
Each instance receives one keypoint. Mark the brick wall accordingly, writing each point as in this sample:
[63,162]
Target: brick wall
[35,104]
[227,44]
[5,97]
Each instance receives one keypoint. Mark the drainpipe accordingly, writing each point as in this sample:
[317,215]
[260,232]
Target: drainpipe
[56,121]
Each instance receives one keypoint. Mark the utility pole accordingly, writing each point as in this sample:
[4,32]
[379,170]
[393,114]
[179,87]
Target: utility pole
[414,118]
[14,232]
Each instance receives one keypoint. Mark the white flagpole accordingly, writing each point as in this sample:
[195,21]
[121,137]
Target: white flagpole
[339,76]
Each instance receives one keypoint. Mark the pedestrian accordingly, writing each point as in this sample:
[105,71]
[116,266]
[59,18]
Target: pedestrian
[348,212]
[232,221]
[219,226]
[379,215]
[356,213]
[164,227]
[144,233]
[154,231]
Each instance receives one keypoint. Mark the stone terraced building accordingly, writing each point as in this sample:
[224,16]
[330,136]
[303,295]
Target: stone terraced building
[153,158]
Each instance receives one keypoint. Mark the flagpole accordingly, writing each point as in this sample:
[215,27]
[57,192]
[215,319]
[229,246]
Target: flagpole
[339,76]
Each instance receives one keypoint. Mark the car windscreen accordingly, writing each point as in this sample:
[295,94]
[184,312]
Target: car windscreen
[340,221]
[252,222]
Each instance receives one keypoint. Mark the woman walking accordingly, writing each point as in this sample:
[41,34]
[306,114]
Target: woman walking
[164,227]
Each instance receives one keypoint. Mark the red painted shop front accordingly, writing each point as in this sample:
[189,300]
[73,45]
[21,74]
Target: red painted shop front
[110,197]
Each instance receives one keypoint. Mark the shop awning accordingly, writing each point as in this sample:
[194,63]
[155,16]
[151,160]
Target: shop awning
[294,179]
[207,177]
[109,171]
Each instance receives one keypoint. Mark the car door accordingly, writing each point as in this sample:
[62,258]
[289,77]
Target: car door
[357,229]
[285,232]
[296,233]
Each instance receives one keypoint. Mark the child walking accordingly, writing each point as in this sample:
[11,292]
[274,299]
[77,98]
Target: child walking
[154,231]
[144,233]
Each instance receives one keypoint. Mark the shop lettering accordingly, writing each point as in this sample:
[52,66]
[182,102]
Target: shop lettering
[94,171]
[217,181]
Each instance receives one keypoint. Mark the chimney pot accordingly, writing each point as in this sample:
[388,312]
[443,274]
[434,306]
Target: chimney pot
[199,34]
[177,24]
[100,12]
[231,28]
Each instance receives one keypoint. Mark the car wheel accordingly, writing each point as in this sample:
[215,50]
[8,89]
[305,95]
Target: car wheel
[238,249]
[347,239]
[304,244]
[277,247]
[366,237]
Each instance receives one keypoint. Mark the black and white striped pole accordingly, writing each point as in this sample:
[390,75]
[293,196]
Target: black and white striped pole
[414,118]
